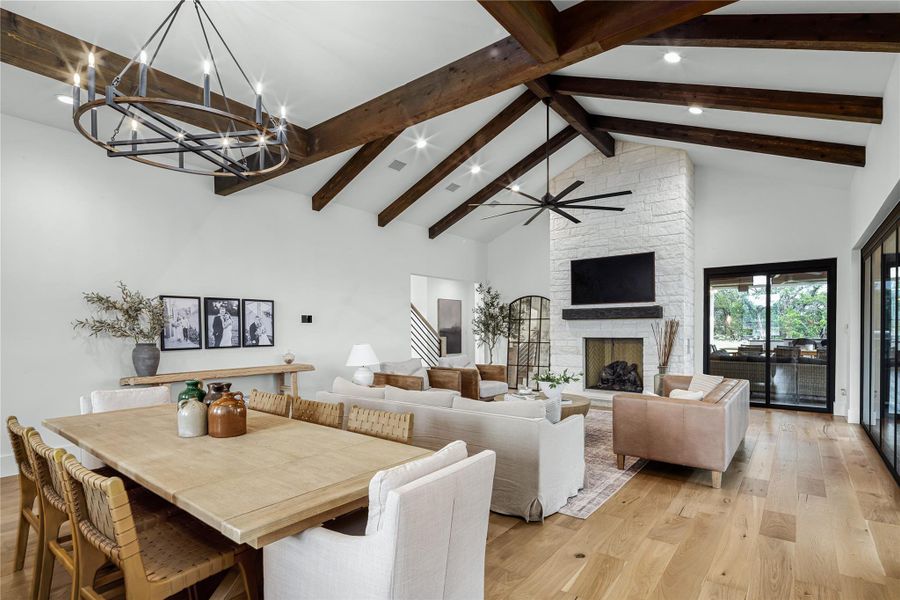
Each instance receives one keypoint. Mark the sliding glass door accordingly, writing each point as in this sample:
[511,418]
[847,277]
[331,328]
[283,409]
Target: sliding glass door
[772,325]
[880,320]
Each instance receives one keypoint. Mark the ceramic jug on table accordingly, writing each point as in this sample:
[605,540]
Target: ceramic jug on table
[215,391]
[228,416]
[191,415]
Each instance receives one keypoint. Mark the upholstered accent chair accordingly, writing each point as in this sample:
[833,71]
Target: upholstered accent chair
[704,433]
[478,382]
[424,538]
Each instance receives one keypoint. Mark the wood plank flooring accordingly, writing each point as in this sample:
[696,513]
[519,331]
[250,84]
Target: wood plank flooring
[806,511]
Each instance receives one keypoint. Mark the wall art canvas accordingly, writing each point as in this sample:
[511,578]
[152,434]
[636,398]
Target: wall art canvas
[450,323]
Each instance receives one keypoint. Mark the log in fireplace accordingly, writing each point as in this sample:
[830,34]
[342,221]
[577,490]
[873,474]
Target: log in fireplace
[614,364]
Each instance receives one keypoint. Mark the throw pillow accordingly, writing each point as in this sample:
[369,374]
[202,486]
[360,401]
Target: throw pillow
[423,373]
[686,395]
[705,383]
[431,398]
[531,409]
[390,479]
[348,388]
[404,367]
[460,361]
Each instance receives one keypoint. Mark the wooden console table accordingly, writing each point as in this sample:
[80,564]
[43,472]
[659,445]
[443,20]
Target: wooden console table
[285,376]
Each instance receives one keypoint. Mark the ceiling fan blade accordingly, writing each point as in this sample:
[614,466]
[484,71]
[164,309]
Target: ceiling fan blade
[612,208]
[533,217]
[596,197]
[504,204]
[568,190]
[509,213]
[564,214]
[521,193]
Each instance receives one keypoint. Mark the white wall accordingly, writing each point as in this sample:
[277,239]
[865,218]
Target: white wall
[874,191]
[425,292]
[741,220]
[75,221]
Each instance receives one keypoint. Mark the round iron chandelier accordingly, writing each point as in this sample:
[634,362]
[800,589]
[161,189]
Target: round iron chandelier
[181,134]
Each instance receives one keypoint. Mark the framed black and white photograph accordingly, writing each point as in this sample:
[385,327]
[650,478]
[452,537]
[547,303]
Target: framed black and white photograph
[222,323]
[182,330]
[259,323]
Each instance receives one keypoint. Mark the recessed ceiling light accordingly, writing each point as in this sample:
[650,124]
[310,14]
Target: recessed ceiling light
[475,170]
[65,98]
[673,58]
[515,187]
[695,110]
[421,143]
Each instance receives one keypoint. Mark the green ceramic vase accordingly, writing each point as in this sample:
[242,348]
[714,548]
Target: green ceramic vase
[193,391]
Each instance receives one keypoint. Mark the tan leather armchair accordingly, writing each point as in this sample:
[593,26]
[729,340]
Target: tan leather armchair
[445,379]
[471,380]
[703,434]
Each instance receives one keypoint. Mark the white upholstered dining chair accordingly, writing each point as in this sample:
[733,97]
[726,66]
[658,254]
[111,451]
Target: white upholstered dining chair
[425,538]
[108,400]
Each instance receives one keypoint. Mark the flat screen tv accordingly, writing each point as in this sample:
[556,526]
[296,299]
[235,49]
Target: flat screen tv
[614,279]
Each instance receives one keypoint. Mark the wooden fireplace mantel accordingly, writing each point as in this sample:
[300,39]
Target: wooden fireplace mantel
[617,312]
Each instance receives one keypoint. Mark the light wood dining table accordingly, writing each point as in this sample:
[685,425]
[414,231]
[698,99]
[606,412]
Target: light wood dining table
[282,477]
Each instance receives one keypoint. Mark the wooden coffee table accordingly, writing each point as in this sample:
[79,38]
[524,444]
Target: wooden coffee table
[579,405]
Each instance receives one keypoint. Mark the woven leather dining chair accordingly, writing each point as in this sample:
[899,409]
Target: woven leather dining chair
[157,561]
[396,427]
[330,414]
[28,493]
[275,404]
[48,470]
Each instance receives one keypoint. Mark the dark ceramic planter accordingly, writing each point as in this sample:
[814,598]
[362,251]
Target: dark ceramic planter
[145,358]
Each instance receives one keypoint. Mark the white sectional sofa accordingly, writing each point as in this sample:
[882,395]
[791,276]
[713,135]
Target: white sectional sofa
[540,464]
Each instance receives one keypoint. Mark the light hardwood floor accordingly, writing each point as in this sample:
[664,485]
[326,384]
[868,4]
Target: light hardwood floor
[807,510]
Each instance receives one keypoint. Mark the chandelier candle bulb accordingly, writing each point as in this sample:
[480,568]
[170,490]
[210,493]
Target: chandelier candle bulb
[259,103]
[205,83]
[142,79]
[92,91]
[76,92]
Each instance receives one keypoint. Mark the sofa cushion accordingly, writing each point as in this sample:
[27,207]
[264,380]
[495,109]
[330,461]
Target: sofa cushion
[413,367]
[390,479]
[686,394]
[532,409]
[704,383]
[460,361]
[429,398]
[348,388]
[489,389]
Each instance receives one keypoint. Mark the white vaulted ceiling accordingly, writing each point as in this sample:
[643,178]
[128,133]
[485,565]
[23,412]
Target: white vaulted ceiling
[322,58]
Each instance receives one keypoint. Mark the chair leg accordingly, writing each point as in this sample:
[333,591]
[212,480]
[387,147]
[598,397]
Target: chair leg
[250,564]
[52,521]
[716,479]
[89,562]
[27,495]
[620,461]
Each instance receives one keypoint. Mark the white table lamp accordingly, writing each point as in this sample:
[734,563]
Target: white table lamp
[362,355]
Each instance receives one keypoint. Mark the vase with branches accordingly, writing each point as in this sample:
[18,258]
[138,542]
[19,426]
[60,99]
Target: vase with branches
[491,320]
[131,316]
[665,334]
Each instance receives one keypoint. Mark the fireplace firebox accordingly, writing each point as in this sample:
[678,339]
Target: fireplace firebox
[614,364]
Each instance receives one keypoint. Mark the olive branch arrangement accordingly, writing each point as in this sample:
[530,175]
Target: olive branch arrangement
[133,316]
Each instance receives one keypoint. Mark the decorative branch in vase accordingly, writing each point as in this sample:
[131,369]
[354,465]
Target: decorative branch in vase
[491,320]
[134,317]
[665,334]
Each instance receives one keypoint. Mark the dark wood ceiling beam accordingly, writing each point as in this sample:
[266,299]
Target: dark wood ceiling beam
[498,67]
[574,114]
[46,51]
[506,179]
[852,32]
[348,172]
[482,137]
[531,23]
[843,154]
[840,107]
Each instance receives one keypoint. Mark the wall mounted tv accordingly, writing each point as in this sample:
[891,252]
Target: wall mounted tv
[614,279]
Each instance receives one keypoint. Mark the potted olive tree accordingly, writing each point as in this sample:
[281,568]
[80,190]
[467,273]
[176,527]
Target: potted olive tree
[491,320]
[133,317]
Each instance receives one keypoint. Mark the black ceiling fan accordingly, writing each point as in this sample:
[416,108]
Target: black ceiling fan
[554,203]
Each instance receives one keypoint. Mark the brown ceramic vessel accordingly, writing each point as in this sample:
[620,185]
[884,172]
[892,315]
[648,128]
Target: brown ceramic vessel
[228,416]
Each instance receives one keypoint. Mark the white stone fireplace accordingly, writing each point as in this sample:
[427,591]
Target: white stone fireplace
[658,218]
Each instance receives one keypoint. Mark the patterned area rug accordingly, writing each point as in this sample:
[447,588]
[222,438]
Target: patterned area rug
[602,478]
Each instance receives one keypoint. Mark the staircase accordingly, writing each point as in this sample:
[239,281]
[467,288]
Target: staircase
[424,340]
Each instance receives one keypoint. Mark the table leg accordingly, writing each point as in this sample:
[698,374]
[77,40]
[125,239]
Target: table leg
[295,388]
